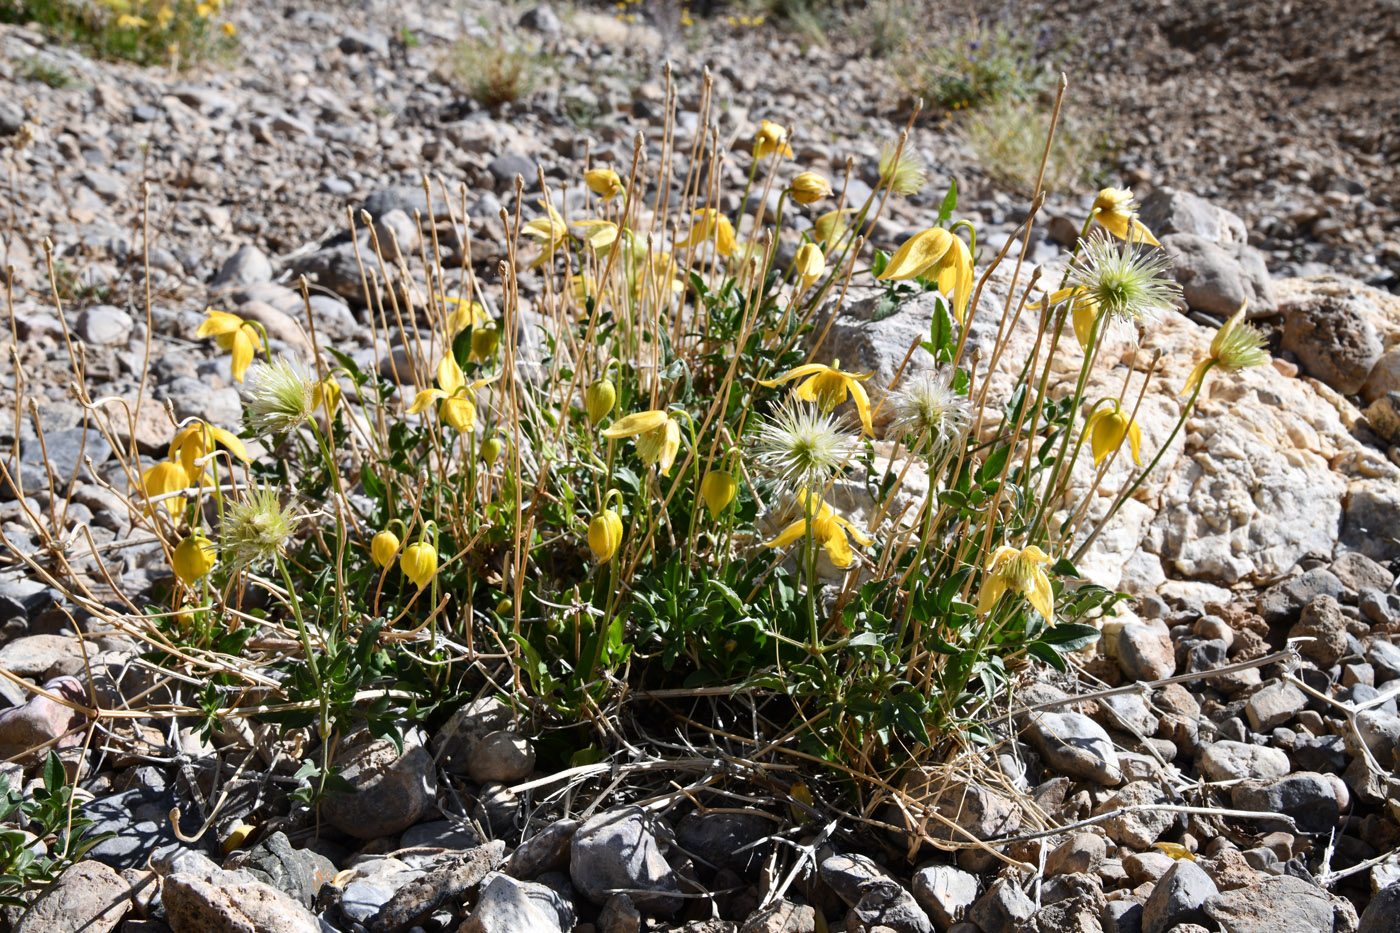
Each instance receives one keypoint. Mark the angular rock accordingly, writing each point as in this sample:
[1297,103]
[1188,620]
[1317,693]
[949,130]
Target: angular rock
[1273,706]
[454,743]
[945,893]
[1140,828]
[507,905]
[618,849]
[1217,278]
[274,860]
[1166,210]
[1307,797]
[782,916]
[1279,904]
[392,791]
[42,721]
[1179,897]
[1383,415]
[885,904]
[1334,339]
[248,266]
[88,897]
[1382,914]
[1224,760]
[1284,602]
[1143,650]
[546,851]
[726,839]
[1074,745]
[104,325]
[848,874]
[1004,907]
[1082,853]
[981,812]
[619,915]
[1322,623]
[216,900]
[451,882]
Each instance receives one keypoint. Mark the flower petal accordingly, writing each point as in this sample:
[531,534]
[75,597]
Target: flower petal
[242,354]
[1042,597]
[862,400]
[670,446]
[789,534]
[425,398]
[806,369]
[1135,441]
[835,543]
[636,423]
[918,253]
[449,375]
[992,588]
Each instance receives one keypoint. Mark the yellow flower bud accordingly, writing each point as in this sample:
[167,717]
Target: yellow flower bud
[505,607]
[604,535]
[809,263]
[484,342]
[490,450]
[193,558]
[237,837]
[459,412]
[809,187]
[383,547]
[419,562]
[599,399]
[603,182]
[718,489]
[1108,427]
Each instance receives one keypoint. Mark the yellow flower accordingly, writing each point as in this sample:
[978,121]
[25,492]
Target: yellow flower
[197,440]
[1107,427]
[163,17]
[458,404]
[830,227]
[326,394]
[233,333]
[657,434]
[604,535]
[599,399]
[718,489]
[383,547]
[485,340]
[229,29]
[193,558]
[809,187]
[204,10]
[550,231]
[603,182]
[809,263]
[830,531]
[711,224]
[943,254]
[771,138]
[166,477]
[828,387]
[128,21]
[600,233]
[1020,572]
[1084,311]
[1236,346]
[464,314]
[419,562]
[1114,209]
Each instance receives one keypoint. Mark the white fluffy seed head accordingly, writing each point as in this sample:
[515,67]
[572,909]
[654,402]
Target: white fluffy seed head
[280,395]
[257,527]
[928,408]
[1128,281]
[802,446]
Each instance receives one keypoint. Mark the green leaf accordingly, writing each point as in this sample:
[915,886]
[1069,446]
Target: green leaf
[886,305]
[1064,567]
[941,332]
[1071,636]
[1047,654]
[950,204]
[992,466]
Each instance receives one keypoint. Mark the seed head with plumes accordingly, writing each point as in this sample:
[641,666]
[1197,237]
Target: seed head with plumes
[802,446]
[1127,281]
[280,395]
[257,527]
[928,407]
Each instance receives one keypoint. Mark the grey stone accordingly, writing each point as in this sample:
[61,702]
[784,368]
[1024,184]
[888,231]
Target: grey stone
[392,791]
[945,893]
[847,874]
[1121,916]
[1309,798]
[1371,518]
[446,884]
[1279,904]
[981,813]
[1383,415]
[497,808]
[543,20]
[546,851]
[1224,760]
[207,900]
[275,861]
[508,905]
[362,900]
[336,268]
[1273,706]
[619,915]
[362,42]
[64,451]
[1129,712]
[1074,745]
[618,849]
[1140,828]
[504,169]
[89,897]
[501,756]
[139,823]
[1322,623]
[454,743]
[406,198]
[884,903]
[1218,278]
[1003,907]
[1179,897]
[1082,854]
[104,325]
[1382,914]
[727,839]
[247,266]
[1168,210]
[1284,602]
[1143,650]
[782,916]
[1334,339]
[440,834]
[1385,658]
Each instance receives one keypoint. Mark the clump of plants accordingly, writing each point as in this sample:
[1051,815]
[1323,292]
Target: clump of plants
[1008,138]
[979,64]
[495,71]
[148,32]
[651,481]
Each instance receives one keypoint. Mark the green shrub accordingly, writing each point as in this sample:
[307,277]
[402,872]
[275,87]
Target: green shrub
[974,66]
[1008,138]
[147,32]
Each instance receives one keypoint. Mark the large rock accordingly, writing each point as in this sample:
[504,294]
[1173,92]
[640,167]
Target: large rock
[1179,897]
[618,849]
[1309,798]
[1280,904]
[1168,210]
[200,897]
[1074,745]
[1143,650]
[42,723]
[1335,340]
[1136,828]
[1382,914]
[1224,760]
[88,897]
[392,791]
[248,266]
[945,893]
[1218,278]
[454,743]
[945,808]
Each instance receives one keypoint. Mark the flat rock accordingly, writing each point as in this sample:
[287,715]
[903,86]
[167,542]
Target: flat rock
[618,849]
[508,905]
[88,897]
[1224,760]
[1074,745]
[1309,798]
[1278,904]
[1179,897]
[945,893]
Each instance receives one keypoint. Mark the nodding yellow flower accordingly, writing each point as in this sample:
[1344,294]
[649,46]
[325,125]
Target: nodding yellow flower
[383,547]
[830,531]
[326,395]
[1084,311]
[458,403]
[490,450]
[830,227]
[1107,427]
[1114,210]
[166,477]
[941,253]
[229,29]
[485,340]
[1236,346]
[550,231]
[204,10]
[419,562]
[464,314]
[809,263]
[604,535]
[718,489]
[233,333]
[828,387]
[599,235]
[656,434]
[599,399]
[603,182]
[711,224]
[809,187]
[771,137]
[128,21]
[193,558]
[196,441]
[1020,572]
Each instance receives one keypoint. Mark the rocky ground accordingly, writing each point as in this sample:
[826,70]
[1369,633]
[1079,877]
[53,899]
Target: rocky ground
[1274,516]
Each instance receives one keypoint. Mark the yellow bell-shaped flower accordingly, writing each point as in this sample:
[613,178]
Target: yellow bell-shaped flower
[809,263]
[656,434]
[944,256]
[193,558]
[718,489]
[605,535]
[599,399]
[809,187]
[603,182]
[419,562]
[1107,427]
[1116,211]
[383,547]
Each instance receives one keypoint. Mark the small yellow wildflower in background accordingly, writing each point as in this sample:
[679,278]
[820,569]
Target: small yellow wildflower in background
[828,528]
[809,263]
[1107,427]
[711,224]
[232,333]
[129,21]
[458,404]
[828,387]
[809,187]
[463,314]
[1114,210]
[599,234]
[1020,572]
[772,137]
[656,434]
[229,29]
[549,231]
[603,182]
[604,535]
[193,558]
[942,254]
